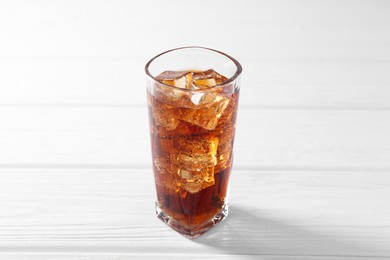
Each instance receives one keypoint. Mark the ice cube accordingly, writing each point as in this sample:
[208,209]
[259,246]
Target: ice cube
[195,181]
[197,144]
[188,80]
[228,117]
[164,115]
[225,148]
[189,164]
[224,161]
[224,158]
[163,165]
[170,92]
[206,116]
[205,83]
[195,162]
[166,173]
[195,153]
[179,79]
[195,157]
[173,178]
[207,79]
[204,98]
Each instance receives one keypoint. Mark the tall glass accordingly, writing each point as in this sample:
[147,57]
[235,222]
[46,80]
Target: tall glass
[192,95]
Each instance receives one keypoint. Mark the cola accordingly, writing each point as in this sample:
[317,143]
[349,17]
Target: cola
[192,124]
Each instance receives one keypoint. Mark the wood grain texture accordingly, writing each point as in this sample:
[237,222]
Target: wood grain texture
[272,213]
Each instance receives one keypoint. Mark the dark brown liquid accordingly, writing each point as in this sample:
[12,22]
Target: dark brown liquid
[194,209]
[192,154]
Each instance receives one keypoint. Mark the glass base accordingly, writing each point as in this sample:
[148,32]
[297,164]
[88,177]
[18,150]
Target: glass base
[192,232]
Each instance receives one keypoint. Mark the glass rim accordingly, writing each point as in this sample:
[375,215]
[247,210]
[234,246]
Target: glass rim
[231,79]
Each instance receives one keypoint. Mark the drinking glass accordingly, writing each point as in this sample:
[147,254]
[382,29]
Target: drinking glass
[192,95]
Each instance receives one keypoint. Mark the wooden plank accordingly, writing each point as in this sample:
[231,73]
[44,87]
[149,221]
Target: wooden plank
[273,213]
[117,137]
[316,84]
[124,256]
[257,29]
[265,84]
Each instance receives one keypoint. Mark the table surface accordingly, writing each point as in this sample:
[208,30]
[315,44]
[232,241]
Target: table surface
[311,176]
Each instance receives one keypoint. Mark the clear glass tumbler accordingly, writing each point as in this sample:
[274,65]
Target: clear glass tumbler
[192,95]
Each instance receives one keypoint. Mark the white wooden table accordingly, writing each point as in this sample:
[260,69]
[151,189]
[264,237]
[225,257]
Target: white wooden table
[312,159]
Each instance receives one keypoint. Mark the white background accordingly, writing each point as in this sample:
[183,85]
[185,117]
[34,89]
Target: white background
[312,157]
